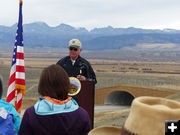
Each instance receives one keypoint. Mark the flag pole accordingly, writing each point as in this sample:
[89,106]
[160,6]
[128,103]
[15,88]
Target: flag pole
[15,104]
[21,1]
[16,90]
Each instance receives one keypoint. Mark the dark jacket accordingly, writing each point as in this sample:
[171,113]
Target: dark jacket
[80,67]
[46,118]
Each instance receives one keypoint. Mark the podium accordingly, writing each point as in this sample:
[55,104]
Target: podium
[86,98]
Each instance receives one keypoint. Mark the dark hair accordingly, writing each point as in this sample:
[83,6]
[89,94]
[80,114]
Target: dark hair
[1,87]
[54,82]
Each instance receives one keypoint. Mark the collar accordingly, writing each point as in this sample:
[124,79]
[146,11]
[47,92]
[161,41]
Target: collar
[56,101]
[73,61]
[46,107]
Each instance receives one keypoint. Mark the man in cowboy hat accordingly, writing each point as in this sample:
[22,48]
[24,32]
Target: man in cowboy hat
[147,117]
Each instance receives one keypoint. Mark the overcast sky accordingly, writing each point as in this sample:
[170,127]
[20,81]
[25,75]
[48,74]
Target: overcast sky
[149,14]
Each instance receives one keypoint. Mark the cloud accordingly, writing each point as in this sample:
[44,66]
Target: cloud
[95,13]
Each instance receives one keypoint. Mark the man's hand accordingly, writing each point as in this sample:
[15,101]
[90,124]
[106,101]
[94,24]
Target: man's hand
[81,77]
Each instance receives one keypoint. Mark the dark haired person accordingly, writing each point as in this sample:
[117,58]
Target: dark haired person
[75,65]
[55,113]
[9,118]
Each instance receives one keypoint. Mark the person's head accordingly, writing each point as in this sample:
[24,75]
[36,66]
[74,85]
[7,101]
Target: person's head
[1,87]
[75,48]
[54,82]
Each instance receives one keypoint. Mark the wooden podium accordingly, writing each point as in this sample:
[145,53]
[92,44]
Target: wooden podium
[86,98]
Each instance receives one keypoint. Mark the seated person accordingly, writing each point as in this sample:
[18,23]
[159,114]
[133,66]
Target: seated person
[8,115]
[55,113]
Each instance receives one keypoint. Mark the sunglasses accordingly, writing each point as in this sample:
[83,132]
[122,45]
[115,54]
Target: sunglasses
[72,48]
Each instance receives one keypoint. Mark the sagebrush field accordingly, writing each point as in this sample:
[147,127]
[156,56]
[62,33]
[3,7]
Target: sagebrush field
[156,75]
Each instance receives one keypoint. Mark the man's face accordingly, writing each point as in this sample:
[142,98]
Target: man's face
[74,52]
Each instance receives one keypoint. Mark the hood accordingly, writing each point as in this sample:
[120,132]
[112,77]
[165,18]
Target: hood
[44,107]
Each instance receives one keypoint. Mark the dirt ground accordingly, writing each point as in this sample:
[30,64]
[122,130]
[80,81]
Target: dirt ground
[111,118]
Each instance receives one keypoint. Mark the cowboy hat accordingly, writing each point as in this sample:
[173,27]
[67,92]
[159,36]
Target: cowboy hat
[147,116]
[105,130]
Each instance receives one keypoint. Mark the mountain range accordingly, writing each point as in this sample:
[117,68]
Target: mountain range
[39,34]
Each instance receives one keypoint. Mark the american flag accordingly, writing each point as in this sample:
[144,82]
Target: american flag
[16,87]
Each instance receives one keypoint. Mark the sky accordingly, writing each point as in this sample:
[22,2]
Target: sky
[147,14]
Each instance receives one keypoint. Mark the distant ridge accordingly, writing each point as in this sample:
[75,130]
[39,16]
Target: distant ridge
[39,34]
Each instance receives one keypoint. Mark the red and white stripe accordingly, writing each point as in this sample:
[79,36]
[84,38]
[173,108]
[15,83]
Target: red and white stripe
[11,87]
[17,80]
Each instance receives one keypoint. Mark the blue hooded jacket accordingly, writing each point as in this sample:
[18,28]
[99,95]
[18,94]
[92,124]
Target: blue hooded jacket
[11,110]
[6,123]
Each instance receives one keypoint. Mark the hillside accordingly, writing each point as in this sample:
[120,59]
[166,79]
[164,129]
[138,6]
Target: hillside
[39,34]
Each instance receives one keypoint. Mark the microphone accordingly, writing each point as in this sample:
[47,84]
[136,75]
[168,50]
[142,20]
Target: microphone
[84,66]
[89,76]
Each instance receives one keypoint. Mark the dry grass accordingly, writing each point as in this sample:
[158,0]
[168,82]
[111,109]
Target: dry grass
[110,118]
[175,97]
[27,102]
[109,73]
